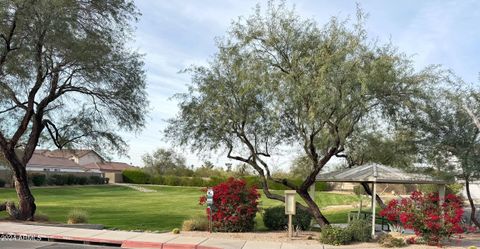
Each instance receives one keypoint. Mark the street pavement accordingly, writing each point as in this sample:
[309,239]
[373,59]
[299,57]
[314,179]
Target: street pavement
[25,244]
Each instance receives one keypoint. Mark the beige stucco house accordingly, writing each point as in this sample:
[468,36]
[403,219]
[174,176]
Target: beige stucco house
[78,162]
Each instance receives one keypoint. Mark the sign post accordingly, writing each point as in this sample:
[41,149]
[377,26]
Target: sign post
[209,207]
[290,208]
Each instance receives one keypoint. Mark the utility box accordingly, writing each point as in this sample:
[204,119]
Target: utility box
[290,203]
[290,209]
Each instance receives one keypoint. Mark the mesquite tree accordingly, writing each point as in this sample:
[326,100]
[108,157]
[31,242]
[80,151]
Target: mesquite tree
[450,137]
[66,78]
[280,80]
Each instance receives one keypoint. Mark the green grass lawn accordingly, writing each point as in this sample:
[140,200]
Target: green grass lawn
[127,209]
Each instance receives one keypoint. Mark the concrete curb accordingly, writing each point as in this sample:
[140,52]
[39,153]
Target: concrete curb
[121,243]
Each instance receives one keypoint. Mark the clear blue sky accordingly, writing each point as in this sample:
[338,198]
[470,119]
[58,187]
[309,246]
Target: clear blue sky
[176,34]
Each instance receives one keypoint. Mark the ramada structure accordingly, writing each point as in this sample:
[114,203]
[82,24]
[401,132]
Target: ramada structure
[77,162]
[374,174]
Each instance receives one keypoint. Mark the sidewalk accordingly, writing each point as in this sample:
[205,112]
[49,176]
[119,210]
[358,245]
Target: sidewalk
[139,240]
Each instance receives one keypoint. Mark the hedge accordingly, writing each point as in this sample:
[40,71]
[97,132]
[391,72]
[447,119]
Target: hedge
[255,180]
[137,176]
[58,180]
[39,179]
[179,181]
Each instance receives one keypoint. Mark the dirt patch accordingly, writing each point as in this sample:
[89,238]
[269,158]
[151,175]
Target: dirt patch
[304,237]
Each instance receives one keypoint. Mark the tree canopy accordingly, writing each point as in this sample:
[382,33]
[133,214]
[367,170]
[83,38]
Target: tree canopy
[279,79]
[67,78]
[64,68]
[450,139]
[165,162]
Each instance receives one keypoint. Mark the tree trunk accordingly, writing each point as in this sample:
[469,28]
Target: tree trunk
[26,201]
[313,208]
[473,217]
[369,192]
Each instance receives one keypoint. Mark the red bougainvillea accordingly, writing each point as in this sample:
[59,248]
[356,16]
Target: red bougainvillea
[235,206]
[426,217]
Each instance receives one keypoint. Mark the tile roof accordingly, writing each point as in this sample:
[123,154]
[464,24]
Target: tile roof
[40,160]
[61,159]
[67,153]
[109,166]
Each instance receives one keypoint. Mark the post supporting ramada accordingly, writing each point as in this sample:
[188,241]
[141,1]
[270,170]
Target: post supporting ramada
[441,194]
[374,193]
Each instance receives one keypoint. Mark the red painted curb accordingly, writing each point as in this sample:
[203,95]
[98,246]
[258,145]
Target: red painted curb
[123,243]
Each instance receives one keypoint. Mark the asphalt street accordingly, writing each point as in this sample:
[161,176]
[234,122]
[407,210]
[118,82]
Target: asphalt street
[25,244]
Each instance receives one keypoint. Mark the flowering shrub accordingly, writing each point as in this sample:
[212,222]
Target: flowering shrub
[423,214]
[234,206]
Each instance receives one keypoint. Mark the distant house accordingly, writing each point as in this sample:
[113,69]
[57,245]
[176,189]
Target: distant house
[81,157]
[78,162]
[42,163]
[111,170]
[114,167]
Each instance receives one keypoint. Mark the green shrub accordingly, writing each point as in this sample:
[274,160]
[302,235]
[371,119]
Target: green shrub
[96,180]
[361,230]
[56,179]
[184,181]
[275,219]
[387,240]
[178,181]
[216,180]
[77,216]
[454,188]
[197,182]
[71,179]
[135,176]
[336,236]
[82,180]
[176,231]
[2,183]
[159,180]
[256,181]
[172,180]
[38,179]
[195,224]
[427,188]
[323,186]
[141,177]
[252,181]
[359,190]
